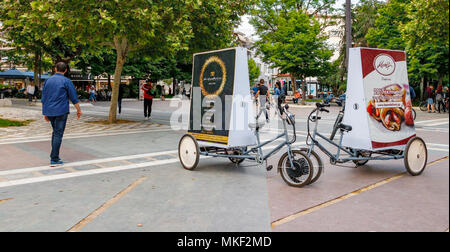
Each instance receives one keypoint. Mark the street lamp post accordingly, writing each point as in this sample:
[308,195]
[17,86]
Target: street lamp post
[348,29]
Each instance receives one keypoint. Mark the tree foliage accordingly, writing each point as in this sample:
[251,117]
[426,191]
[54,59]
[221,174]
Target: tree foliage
[386,31]
[291,39]
[253,70]
[421,28]
[427,38]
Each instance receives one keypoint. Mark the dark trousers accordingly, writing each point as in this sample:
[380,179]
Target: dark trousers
[148,107]
[439,104]
[119,103]
[30,97]
[58,125]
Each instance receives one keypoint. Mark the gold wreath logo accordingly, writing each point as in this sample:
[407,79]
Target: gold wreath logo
[224,78]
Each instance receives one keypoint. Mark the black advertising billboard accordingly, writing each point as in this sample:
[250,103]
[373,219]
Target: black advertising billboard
[212,84]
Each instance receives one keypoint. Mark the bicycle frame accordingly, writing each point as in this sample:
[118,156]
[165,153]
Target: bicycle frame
[260,157]
[354,153]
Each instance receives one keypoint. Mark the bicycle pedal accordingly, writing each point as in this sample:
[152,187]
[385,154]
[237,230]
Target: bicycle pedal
[268,168]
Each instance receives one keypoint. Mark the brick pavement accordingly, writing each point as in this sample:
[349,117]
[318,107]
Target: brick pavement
[39,128]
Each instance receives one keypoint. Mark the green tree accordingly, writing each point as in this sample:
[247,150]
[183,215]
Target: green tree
[421,28]
[140,26]
[386,31]
[364,15]
[296,45]
[427,39]
[21,28]
[213,24]
[253,70]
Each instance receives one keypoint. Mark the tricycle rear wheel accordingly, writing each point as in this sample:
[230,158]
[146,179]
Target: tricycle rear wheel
[416,156]
[188,152]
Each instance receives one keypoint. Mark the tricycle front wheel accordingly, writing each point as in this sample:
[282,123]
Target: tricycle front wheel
[316,162]
[302,171]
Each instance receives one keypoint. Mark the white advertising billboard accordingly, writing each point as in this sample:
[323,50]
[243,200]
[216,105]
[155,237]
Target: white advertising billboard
[378,104]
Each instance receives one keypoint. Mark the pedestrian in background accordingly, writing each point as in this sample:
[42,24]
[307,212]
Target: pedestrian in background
[277,89]
[446,96]
[119,100]
[57,92]
[430,99]
[254,90]
[148,99]
[263,96]
[412,93]
[92,97]
[30,92]
[440,99]
[285,88]
[296,97]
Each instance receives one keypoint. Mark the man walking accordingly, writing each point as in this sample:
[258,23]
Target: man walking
[263,93]
[57,92]
[148,99]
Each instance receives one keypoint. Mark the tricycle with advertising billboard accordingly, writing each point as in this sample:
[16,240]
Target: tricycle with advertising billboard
[222,122]
[377,122]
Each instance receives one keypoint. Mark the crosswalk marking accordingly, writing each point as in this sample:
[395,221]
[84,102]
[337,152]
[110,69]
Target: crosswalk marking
[428,121]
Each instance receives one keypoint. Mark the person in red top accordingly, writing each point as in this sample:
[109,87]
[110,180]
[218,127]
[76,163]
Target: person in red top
[148,99]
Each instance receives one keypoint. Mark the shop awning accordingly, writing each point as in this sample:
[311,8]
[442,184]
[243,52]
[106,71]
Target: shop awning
[31,75]
[13,74]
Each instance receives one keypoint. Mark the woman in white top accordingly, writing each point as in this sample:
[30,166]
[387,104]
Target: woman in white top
[30,92]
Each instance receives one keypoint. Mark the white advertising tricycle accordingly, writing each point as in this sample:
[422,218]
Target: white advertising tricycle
[377,122]
[222,122]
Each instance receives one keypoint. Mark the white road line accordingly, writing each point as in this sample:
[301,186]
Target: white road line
[94,161]
[435,120]
[436,144]
[94,171]
[76,135]
[441,130]
[84,173]
[90,132]
[438,149]
[436,124]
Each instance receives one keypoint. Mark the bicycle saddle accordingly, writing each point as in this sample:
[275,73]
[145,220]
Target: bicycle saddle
[256,125]
[344,127]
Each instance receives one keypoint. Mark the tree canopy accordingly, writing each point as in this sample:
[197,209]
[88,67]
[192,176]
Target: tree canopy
[291,38]
[421,28]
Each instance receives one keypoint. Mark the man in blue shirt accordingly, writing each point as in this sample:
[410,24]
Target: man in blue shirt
[57,92]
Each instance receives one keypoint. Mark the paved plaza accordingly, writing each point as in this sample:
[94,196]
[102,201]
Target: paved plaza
[127,177]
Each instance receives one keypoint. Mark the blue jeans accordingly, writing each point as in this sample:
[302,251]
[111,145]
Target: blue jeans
[58,125]
[92,97]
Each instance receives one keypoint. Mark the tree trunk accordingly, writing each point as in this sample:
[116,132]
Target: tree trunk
[294,83]
[36,69]
[121,47]
[422,86]
[348,29]
[174,84]
[304,91]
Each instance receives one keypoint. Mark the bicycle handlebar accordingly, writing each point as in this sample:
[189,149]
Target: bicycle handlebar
[322,105]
